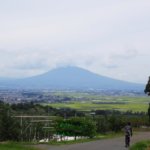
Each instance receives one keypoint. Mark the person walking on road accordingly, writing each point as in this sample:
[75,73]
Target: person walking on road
[128,134]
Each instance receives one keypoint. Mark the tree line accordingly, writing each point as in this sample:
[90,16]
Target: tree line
[67,122]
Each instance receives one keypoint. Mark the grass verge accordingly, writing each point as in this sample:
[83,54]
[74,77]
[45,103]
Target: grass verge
[15,146]
[143,145]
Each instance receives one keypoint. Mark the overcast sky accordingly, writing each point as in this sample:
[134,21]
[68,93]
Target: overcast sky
[108,37]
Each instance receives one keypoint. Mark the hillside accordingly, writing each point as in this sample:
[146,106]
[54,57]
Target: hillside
[71,78]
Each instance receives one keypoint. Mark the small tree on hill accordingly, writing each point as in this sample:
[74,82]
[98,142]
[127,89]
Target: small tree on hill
[147,88]
[147,91]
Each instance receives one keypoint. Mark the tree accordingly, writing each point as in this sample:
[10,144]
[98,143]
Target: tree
[9,127]
[76,127]
[116,123]
[149,112]
[147,88]
[147,91]
[102,124]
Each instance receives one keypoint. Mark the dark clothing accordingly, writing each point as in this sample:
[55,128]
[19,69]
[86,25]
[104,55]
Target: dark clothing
[128,134]
[127,141]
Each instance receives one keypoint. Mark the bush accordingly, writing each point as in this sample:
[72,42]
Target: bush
[141,145]
[76,127]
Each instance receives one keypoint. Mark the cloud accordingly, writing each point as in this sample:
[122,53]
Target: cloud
[106,37]
[126,54]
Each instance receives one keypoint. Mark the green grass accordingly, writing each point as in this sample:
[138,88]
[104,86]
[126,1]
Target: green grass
[14,146]
[143,145]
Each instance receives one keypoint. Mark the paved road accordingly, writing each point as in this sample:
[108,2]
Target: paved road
[107,144]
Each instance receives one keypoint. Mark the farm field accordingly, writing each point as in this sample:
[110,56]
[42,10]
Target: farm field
[91,102]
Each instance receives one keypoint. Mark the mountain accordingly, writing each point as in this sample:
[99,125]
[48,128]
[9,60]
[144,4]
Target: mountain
[70,78]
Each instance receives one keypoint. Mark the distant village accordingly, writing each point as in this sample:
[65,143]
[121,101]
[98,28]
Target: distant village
[49,96]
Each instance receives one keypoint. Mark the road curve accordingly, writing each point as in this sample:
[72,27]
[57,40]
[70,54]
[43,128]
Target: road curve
[106,144]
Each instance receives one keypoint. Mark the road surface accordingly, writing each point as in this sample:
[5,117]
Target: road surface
[106,144]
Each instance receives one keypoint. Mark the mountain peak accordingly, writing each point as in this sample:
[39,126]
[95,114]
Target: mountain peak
[69,68]
[72,77]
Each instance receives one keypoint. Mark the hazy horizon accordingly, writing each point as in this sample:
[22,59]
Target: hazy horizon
[109,38]
[75,69]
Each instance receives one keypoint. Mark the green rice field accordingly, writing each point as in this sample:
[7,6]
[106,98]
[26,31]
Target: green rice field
[122,103]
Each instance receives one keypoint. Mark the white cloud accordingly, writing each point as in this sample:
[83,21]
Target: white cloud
[108,37]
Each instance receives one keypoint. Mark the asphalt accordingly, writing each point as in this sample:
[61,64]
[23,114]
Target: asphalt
[107,144]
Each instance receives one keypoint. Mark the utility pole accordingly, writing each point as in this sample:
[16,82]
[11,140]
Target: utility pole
[21,128]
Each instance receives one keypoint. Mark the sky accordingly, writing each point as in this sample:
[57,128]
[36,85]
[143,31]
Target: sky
[110,37]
